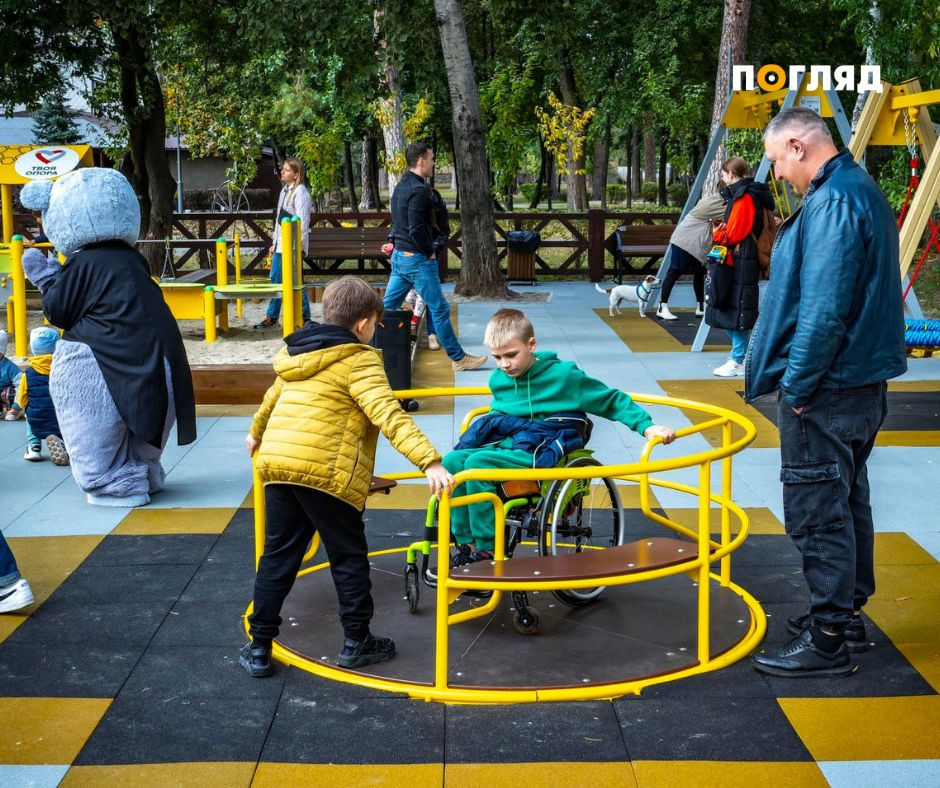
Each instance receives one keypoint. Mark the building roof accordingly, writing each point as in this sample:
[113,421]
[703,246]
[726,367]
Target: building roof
[17,129]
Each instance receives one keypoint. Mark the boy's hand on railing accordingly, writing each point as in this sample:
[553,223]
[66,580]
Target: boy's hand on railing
[668,434]
[439,479]
[251,444]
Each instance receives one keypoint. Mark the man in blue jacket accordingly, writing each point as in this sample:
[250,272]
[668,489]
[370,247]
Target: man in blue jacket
[830,334]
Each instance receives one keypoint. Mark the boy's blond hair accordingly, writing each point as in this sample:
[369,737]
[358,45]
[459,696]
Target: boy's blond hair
[349,300]
[507,325]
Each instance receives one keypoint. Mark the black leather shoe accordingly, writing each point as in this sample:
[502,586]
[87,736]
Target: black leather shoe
[256,659]
[357,653]
[856,639]
[800,658]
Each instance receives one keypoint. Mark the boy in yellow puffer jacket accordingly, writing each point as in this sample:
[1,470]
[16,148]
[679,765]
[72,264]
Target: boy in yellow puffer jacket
[315,436]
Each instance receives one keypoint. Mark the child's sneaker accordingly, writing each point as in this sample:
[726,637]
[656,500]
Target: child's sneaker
[357,653]
[730,369]
[479,555]
[15,596]
[255,658]
[13,415]
[461,556]
[57,450]
[33,453]
[433,342]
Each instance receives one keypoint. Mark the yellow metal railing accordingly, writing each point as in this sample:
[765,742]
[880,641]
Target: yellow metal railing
[642,473]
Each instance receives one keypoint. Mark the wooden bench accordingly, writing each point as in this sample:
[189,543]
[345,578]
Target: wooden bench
[347,243]
[641,240]
[627,559]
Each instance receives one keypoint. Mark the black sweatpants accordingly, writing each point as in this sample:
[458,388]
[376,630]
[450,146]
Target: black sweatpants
[292,515]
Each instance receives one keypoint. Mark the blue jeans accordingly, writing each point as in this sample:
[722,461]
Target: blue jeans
[274,307]
[826,506]
[739,341]
[419,272]
[8,571]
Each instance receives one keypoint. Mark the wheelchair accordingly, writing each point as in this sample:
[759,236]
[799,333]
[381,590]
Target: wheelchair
[554,517]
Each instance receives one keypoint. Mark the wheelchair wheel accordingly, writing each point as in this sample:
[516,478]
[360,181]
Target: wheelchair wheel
[578,515]
[412,592]
[526,621]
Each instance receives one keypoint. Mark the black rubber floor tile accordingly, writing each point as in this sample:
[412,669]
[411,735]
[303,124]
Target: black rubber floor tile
[100,623]
[399,523]
[771,583]
[121,550]
[542,732]
[724,729]
[65,670]
[141,583]
[240,553]
[386,730]
[686,327]
[301,686]
[204,624]
[766,550]
[179,729]
[197,671]
[883,671]
[222,581]
[739,680]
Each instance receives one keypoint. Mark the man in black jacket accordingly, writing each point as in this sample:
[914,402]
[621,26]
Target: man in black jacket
[413,261]
[830,334]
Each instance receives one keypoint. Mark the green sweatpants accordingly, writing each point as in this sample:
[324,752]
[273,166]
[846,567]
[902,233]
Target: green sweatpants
[475,523]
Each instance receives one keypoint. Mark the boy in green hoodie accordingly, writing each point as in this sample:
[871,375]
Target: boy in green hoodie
[532,386]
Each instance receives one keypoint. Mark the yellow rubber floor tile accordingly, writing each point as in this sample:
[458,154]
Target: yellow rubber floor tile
[727,774]
[908,438]
[46,561]
[404,496]
[865,729]
[918,581]
[726,394]
[535,775]
[925,657]
[906,618]
[47,730]
[166,775]
[898,548]
[644,335]
[275,775]
[149,522]
[761,520]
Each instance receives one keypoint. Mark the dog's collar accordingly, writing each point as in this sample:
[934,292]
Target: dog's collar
[642,287]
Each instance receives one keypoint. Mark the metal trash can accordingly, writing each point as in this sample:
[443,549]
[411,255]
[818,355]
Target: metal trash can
[521,246]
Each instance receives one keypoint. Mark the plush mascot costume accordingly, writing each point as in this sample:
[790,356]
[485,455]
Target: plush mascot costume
[119,376]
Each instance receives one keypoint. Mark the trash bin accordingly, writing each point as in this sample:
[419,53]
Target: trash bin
[393,338]
[521,246]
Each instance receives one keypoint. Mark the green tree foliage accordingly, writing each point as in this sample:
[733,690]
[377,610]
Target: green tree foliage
[52,123]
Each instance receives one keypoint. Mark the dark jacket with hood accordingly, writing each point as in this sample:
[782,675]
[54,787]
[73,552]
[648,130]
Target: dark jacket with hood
[548,440]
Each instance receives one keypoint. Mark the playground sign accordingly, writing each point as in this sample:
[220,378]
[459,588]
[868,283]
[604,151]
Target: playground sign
[24,163]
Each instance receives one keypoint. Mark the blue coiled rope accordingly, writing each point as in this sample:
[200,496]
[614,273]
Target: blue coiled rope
[922,333]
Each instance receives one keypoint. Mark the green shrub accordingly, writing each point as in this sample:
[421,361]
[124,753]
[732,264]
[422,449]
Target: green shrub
[616,193]
[649,191]
[528,190]
[678,193]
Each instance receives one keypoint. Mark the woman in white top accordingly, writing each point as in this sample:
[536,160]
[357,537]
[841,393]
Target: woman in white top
[294,201]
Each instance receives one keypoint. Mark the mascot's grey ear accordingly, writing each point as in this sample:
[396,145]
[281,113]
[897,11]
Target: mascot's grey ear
[35,195]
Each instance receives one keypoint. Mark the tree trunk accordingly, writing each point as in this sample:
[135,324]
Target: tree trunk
[577,182]
[734,37]
[662,168]
[537,196]
[479,271]
[350,177]
[601,162]
[875,13]
[636,179]
[649,150]
[390,114]
[370,175]
[143,107]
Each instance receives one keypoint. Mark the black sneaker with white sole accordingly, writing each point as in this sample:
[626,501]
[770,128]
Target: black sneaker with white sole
[255,658]
[358,653]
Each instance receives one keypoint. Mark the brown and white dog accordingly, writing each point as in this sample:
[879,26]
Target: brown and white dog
[638,293]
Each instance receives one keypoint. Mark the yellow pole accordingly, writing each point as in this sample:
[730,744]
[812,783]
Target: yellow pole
[19,293]
[287,275]
[221,277]
[6,190]
[208,307]
[238,273]
[258,500]
[10,328]
[725,511]
[704,549]
[443,580]
[299,257]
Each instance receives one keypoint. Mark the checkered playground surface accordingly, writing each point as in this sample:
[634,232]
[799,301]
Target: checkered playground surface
[125,669]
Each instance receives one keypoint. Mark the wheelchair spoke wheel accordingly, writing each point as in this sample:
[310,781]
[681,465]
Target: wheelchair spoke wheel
[579,515]
[412,592]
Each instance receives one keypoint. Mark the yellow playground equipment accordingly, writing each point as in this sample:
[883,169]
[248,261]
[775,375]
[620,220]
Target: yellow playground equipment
[194,301]
[675,584]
